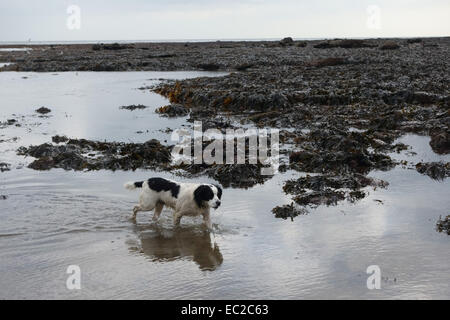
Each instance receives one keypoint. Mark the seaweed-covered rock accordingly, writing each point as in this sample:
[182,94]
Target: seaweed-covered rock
[440,142]
[346,43]
[229,175]
[435,170]
[329,189]
[322,182]
[289,211]
[4,167]
[209,66]
[329,62]
[414,40]
[43,110]
[338,151]
[94,155]
[134,107]
[324,197]
[173,110]
[59,139]
[443,225]
[113,46]
[244,66]
[287,42]
[389,45]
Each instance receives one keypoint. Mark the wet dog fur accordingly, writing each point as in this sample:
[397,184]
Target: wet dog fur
[186,199]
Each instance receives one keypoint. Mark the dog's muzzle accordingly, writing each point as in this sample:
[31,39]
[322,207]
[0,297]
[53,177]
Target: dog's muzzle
[216,205]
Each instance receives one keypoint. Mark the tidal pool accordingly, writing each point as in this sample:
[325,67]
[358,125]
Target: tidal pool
[53,219]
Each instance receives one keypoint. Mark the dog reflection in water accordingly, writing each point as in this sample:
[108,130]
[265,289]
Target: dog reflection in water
[186,243]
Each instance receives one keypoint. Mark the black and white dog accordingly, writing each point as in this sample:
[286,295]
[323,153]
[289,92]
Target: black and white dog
[186,199]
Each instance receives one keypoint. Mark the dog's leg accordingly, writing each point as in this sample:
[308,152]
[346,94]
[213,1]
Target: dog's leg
[177,218]
[158,209]
[207,220]
[136,209]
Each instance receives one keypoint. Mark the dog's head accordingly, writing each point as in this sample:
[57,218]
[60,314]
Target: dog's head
[208,196]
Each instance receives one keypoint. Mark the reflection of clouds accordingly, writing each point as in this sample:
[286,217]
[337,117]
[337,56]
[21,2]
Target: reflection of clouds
[420,145]
[86,104]
[163,245]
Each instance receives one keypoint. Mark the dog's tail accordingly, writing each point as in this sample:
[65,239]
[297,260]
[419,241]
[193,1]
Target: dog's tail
[133,185]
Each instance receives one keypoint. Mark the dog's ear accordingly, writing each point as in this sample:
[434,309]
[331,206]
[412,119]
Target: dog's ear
[203,193]
[219,191]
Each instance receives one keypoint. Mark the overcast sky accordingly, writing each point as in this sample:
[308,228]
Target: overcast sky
[46,20]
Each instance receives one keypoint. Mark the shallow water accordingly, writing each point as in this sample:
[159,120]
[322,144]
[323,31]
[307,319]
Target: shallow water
[54,219]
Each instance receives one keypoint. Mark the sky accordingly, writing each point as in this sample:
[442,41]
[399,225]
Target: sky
[57,20]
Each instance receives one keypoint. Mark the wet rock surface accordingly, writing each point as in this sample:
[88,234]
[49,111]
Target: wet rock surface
[4,167]
[443,225]
[133,107]
[440,141]
[347,44]
[173,110]
[327,190]
[8,122]
[435,170]
[289,211]
[84,154]
[43,110]
[81,154]
[229,175]
[389,45]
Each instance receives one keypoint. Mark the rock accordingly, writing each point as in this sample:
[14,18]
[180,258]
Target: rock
[43,110]
[324,45]
[74,155]
[113,46]
[237,175]
[4,167]
[440,142]
[443,225]
[337,151]
[104,67]
[244,67]
[330,189]
[435,170]
[316,198]
[389,45]
[414,40]
[209,66]
[409,96]
[329,62]
[287,42]
[59,139]
[323,182]
[173,110]
[353,43]
[346,43]
[289,211]
[302,44]
[133,107]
